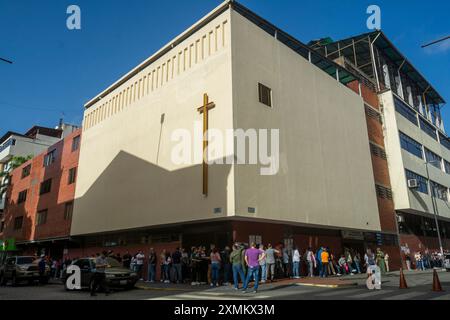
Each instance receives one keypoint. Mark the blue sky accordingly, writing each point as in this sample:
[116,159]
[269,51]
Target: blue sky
[56,70]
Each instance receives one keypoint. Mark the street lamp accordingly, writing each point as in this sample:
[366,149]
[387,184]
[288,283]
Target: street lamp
[433,201]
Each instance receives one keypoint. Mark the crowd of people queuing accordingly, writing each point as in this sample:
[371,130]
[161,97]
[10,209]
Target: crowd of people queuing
[257,263]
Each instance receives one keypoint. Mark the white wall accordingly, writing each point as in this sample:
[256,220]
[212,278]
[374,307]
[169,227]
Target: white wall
[325,177]
[126,177]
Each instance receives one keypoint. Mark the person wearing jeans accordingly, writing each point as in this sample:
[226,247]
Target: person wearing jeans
[263,265]
[226,266]
[236,262]
[311,260]
[151,266]
[252,258]
[176,265]
[215,267]
[296,263]
[325,260]
[270,262]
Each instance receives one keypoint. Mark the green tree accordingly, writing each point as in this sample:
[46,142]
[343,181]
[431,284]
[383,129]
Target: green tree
[14,163]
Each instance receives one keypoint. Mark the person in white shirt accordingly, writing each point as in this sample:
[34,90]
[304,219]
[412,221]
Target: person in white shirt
[140,264]
[296,263]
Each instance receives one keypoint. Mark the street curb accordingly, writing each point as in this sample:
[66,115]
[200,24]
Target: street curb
[161,289]
[334,286]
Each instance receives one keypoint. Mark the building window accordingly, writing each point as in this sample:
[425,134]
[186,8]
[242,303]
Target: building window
[68,210]
[18,222]
[433,159]
[72,175]
[22,197]
[75,143]
[439,191]
[444,141]
[421,181]
[50,158]
[26,171]
[383,192]
[265,95]
[428,129]
[411,145]
[46,187]
[41,217]
[447,166]
[405,111]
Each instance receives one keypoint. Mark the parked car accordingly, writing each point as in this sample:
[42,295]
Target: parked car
[116,275]
[21,268]
[447,262]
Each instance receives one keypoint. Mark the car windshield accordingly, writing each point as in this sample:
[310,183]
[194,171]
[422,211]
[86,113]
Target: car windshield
[25,260]
[113,263]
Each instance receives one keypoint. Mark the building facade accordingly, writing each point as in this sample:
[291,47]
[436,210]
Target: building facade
[131,195]
[415,143]
[40,197]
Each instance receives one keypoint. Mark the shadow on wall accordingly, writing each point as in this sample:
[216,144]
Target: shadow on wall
[420,200]
[133,193]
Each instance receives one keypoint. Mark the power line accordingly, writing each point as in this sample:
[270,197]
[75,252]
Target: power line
[6,60]
[434,42]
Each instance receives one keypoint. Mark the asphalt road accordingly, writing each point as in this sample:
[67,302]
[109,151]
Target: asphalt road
[420,285]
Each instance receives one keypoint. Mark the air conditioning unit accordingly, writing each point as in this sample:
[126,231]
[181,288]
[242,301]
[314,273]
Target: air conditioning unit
[413,184]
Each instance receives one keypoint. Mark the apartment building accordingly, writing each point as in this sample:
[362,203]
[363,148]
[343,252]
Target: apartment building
[131,195]
[40,197]
[415,143]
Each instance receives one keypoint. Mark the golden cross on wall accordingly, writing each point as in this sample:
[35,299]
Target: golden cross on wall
[205,111]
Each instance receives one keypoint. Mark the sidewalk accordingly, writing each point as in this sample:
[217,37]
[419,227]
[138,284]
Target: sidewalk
[329,282]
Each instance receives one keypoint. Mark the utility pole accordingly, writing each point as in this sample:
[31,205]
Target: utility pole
[434,42]
[435,209]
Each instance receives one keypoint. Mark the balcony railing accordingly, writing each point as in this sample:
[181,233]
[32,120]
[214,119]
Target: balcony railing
[8,143]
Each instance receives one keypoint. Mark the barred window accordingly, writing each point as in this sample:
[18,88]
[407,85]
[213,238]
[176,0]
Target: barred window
[372,113]
[377,151]
[383,192]
[265,95]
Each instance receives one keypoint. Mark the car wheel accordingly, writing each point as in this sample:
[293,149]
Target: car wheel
[2,280]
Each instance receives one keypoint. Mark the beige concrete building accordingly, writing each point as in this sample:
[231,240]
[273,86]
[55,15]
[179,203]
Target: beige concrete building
[130,193]
[417,147]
